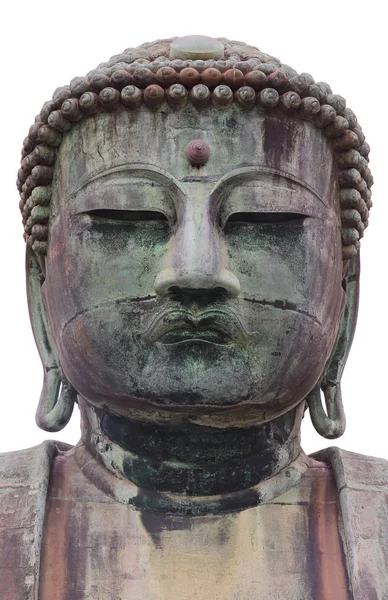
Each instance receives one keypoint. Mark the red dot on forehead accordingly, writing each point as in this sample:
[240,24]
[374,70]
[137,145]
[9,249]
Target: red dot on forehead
[197,152]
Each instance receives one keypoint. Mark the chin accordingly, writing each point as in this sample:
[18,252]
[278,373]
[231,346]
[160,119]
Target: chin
[201,392]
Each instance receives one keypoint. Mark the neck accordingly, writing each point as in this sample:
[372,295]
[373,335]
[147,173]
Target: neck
[194,460]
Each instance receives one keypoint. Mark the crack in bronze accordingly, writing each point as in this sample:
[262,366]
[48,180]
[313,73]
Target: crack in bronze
[284,305]
[107,303]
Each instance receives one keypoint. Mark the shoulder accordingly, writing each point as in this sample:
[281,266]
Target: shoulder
[362,484]
[28,465]
[24,477]
[355,471]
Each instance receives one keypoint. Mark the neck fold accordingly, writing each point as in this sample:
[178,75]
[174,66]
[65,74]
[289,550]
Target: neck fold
[194,461]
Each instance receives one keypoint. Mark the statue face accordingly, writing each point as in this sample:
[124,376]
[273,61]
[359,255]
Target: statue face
[206,291]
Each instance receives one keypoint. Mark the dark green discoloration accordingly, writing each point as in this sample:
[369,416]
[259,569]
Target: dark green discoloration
[195,444]
[199,460]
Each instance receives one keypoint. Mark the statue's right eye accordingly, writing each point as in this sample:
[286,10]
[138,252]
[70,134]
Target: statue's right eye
[127,215]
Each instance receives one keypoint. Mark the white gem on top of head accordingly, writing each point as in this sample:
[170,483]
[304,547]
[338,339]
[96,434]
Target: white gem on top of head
[196,47]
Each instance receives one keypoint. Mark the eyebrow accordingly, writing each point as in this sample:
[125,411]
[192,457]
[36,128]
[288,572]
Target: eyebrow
[238,174]
[139,169]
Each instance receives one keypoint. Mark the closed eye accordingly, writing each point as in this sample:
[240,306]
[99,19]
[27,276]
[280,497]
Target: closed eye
[127,215]
[263,217]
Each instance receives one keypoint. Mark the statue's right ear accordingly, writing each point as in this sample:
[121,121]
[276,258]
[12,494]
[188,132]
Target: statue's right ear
[57,398]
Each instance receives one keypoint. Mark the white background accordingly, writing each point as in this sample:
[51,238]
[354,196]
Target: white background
[45,44]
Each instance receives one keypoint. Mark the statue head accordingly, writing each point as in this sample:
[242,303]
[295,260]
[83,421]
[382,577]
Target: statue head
[193,210]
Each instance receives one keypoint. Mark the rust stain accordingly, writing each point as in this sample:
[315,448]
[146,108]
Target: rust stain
[327,568]
[54,571]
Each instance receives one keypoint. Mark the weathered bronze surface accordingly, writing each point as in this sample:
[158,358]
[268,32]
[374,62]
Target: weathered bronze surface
[192,212]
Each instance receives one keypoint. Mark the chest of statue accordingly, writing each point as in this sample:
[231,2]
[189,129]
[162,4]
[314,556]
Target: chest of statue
[65,537]
[97,548]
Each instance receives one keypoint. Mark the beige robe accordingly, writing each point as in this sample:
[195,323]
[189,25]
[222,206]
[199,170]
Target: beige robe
[62,538]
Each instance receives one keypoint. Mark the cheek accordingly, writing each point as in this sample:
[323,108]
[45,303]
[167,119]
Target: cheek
[91,265]
[298,264]
[268,258]
[97,350]
[289,351]
[291,281]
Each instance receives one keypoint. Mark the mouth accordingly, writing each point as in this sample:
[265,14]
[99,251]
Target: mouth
[187,334]
[179,326]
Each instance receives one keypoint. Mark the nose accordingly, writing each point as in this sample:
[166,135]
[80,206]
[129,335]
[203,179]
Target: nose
[197,261]
[169,281]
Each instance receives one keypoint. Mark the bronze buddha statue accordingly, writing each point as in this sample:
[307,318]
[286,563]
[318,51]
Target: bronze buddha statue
[192,212]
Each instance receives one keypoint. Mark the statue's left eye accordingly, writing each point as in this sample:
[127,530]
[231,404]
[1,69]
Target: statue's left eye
[127,215]
[262,217]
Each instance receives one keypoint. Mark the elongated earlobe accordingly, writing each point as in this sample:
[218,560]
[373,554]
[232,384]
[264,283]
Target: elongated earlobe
[56,401]
[331,424]
[57,398]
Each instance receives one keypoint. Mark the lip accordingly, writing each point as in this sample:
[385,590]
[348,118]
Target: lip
[216,326]
[187,334]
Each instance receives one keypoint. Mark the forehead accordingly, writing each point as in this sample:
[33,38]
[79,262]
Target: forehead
[236,138]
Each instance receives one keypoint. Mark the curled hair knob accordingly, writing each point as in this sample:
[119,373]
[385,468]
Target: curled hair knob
[109,98]
[337,102]
[46,109]
[269,97]
[98,82]
[257,80]
[121,78]
[325,116]
[177,95]
[200,95]
[166,76]
[71,110]
[279,80]
[309,107]
[351,117]
[290,101]
[245,97]
[60,95]
[143,77]
[347,141]
[41,175]
[44,155]
[58,121]
[131,96]
[234,78]
[28,144]
[50,136]
[189,77]
[79,85]
[301,84]
[337,127]
[89,103]
[364,150]
[154,96]
[33,132]
[318,91]
[222,96]
[211,77]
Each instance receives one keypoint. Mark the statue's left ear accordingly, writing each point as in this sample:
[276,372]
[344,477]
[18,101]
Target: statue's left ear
[57,398]
[332,424]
